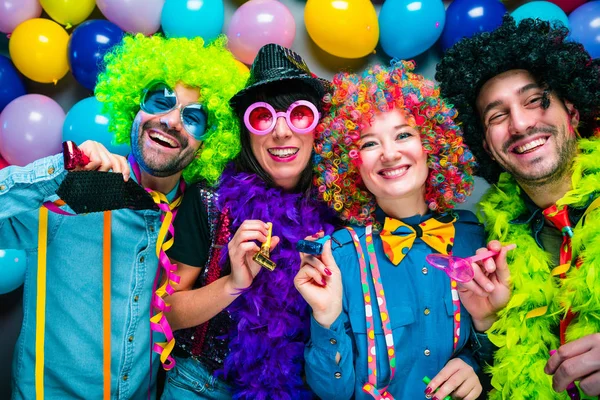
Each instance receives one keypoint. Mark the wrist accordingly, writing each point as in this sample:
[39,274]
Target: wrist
[326,319]
[482,325]
[230,287]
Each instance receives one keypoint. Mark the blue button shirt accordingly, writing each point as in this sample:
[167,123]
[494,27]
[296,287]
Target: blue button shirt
[420,305]
[73,332]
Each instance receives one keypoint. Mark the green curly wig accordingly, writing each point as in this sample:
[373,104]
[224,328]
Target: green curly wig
[539,47]
[139,60]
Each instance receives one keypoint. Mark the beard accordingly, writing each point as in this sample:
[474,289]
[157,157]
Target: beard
[154,162]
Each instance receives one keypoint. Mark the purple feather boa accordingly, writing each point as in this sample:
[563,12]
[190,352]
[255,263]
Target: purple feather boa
[272,320]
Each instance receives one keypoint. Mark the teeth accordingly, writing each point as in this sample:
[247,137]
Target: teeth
[162,138]
[530,145]
[283,152]
[394,172]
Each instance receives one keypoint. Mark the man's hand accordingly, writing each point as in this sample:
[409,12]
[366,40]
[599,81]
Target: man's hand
[577,361]
[103,160]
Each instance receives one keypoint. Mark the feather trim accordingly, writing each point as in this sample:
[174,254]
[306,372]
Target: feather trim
[272,320]
[524,344]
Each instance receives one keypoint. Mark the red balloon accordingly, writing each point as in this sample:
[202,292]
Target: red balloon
[568,5]
[3,163]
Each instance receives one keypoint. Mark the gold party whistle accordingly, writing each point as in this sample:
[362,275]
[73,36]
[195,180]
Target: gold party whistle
[262,257]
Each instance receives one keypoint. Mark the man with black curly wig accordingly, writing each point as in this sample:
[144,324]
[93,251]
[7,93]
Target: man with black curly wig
[528,101]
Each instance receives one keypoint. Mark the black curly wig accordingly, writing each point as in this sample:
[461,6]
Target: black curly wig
[563,67]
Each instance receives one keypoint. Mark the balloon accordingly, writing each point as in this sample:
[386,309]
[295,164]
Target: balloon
[465,18]
[13,264]
[38,48]
[242,67]
[3,163]
[585,28]
[568,5]
[89,43]
[11,84]
[85,121]
[344,28]
[408,28]
[543,10]
[13,12]
[30,128]
[259,22]
[136,16]
[68,12]
[184,18]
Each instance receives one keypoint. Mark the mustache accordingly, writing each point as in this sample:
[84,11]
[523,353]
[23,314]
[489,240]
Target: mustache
[514,139]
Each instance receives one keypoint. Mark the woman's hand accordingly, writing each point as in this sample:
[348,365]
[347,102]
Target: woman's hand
[457,379]
[320,283]
[241,250]
[489,291]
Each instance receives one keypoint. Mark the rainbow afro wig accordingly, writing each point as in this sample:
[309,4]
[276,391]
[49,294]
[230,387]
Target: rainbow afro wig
[537,46]
[355,101]
[139,60]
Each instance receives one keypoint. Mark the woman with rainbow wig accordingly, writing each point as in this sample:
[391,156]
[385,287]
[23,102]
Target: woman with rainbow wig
[391,161]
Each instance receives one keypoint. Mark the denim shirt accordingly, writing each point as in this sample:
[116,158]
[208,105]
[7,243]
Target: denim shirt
[420,305]
[73,331]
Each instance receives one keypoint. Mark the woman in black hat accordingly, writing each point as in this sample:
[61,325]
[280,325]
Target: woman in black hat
[242,328]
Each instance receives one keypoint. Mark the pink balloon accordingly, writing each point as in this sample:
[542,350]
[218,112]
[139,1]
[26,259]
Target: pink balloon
[13,12]
[136,16]
[30,128]
[568,5]
[259,22]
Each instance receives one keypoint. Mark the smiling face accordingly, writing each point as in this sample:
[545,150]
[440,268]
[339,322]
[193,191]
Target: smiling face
[393,161]
[283,154]
[159,143]
[534,143]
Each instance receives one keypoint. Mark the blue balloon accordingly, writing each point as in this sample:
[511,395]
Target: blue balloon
[13,264]
[11,84]
[543,10]
[183,18]
[465,18]
[85,121]
[407,28]
[585,28]
[88,44]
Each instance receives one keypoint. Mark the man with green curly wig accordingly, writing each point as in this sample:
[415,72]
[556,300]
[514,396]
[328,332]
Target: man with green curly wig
[528,101]
[86,333]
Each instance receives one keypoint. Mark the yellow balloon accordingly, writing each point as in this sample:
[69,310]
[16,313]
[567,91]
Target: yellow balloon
[68,12]
[344,28]
[242,67]
[38,48]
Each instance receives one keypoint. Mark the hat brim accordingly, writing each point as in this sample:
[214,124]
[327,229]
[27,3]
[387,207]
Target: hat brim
[321,86]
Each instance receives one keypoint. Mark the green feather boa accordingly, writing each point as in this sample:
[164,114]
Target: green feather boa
[524,344]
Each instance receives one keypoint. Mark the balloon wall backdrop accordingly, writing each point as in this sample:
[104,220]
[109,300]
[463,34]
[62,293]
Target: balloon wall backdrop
[51,39]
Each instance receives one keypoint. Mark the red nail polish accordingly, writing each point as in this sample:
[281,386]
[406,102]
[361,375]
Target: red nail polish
[428,390]
[324,282]
[435,398]
[327,271]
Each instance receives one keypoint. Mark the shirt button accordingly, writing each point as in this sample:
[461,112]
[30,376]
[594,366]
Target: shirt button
[424,270]
[337,375]
[2,187]
[151,228]
[426,311]
[206,385]
[142,259]
[130,338]
[125,377]
[332,341]
[50,170]
[136,298]
[427,352]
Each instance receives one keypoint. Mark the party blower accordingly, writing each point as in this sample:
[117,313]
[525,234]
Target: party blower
[262,257]
[458,268]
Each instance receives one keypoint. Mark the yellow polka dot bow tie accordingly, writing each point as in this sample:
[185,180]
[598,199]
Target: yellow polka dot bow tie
[398,237]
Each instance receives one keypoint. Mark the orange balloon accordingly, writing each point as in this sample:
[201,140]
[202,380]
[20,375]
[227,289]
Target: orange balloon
[344,28]
[242,67]
[38,48]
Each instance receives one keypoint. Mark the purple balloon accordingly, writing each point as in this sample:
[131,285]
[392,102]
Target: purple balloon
[259,22]
[13,12]
[136,16]
[585,28]
[30,128]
